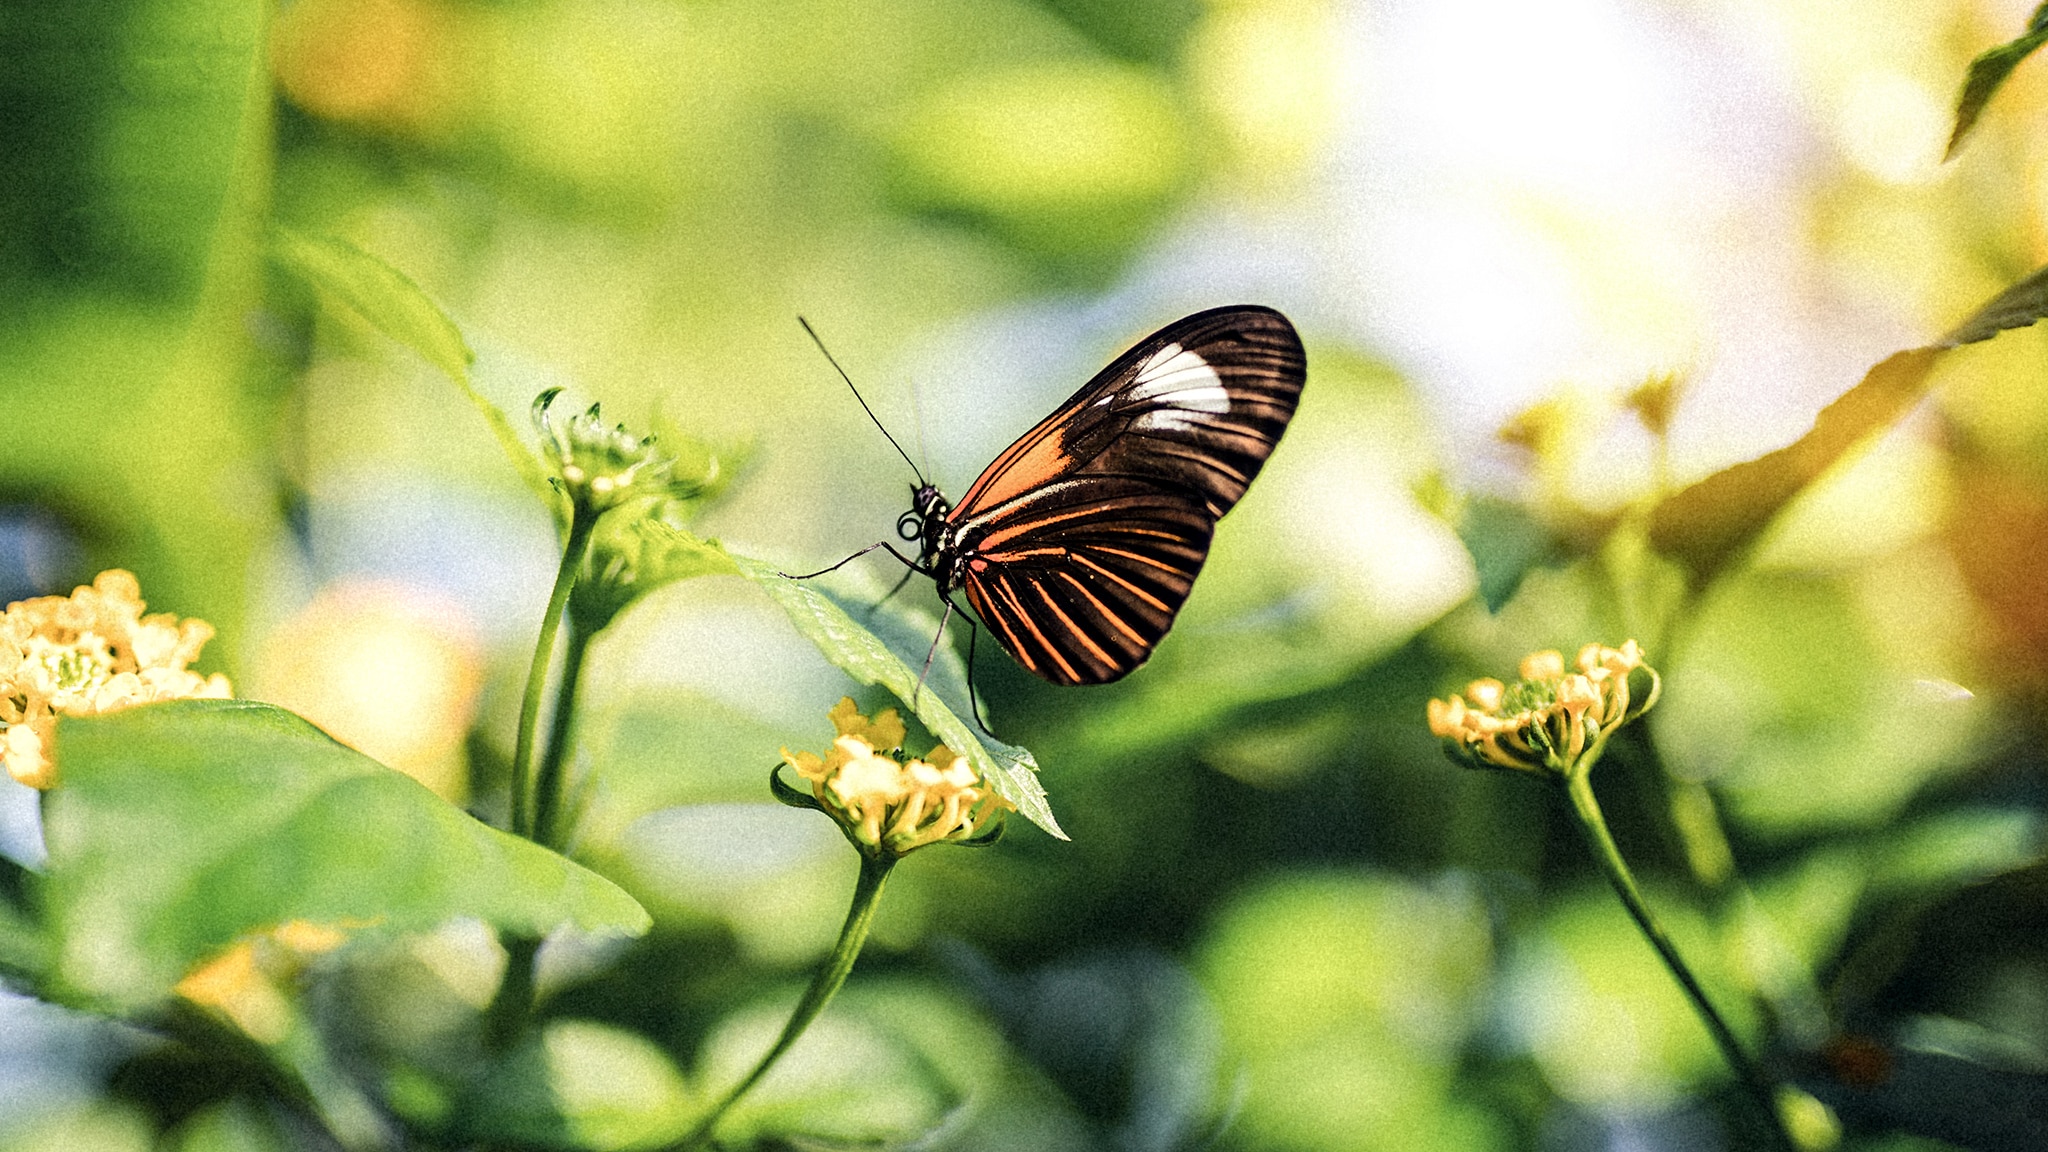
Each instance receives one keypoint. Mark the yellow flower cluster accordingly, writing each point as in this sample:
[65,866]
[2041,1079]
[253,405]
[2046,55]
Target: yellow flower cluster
[889,806]
[1549,719]
[91,651]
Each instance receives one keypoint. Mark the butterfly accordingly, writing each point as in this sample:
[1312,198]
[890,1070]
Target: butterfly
[1078,545]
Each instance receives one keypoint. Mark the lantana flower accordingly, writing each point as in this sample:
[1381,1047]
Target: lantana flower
[1550,722]
[92,651]
[889,807]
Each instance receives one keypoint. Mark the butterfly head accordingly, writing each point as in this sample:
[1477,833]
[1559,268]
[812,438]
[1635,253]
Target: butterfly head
[925,523]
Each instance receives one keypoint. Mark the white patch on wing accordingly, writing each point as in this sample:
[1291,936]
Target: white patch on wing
[1166,420]
[1180,378]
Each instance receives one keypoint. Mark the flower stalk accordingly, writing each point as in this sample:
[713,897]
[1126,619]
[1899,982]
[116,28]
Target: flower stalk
[1593,825]
[1555,725]
[578,542]
[549,784]
[867,896]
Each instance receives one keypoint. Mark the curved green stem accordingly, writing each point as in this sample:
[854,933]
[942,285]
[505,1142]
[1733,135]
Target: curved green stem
[537,673]
[1578,785]
[547,803]
[867,894]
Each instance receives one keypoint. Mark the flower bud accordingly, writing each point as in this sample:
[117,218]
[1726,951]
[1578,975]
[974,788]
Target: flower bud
[597,467]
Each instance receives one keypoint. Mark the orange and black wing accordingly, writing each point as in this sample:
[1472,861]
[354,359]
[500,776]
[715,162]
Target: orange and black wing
[1196,406]
[1080,543]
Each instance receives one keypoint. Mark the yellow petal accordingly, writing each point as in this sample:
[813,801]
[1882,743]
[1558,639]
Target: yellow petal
[1545,665]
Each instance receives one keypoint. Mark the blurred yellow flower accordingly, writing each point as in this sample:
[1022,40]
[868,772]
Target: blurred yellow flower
[245,982]
[92,651]
[390,670]
[1550,720]
[893,807]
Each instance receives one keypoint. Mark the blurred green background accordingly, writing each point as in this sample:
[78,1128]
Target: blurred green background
[1282,910]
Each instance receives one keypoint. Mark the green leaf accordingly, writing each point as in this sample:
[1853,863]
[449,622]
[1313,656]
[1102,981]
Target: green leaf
[582,1085]
[388,300]
[180,826]
[863,656]
[23,950]
[1506,543]
[2019,306]
[1715,523]
[633,556]
[1988,72]
[379,294]
[139,156]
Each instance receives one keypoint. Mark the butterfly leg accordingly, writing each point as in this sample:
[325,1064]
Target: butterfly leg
[913,565]
[931,653]
[973,699]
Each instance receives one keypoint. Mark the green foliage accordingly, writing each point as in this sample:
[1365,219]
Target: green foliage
[891,1066]
[1506,541]
[1988,72]
[581,1085]
[183,826]
[388,300]
[1713,524]
[632,199]
[1335,979]
[137,156]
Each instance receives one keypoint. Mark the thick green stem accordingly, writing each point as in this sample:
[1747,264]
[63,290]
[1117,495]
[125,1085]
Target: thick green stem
[505,1019]
[537,673]
[547,805]
[867,894]
[1579,786]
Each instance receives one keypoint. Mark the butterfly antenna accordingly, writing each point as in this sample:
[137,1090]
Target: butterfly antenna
[863,400]
[924,452]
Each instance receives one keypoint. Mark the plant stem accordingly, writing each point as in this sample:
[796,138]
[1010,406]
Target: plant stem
[537,673]
[505,1019]
[867,894]
[1578,785]
[547,804]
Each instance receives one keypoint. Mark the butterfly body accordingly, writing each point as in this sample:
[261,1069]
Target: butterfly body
[1079,544]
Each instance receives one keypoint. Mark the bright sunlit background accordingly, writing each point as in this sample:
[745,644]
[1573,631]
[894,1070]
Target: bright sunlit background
[1280,902]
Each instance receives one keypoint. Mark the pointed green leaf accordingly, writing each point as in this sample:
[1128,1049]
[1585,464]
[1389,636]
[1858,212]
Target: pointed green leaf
[1713,524]
[379,294]
[1506,543]
[388,300]
[180,826]
[2017,307]
[1988,72]
[863,656]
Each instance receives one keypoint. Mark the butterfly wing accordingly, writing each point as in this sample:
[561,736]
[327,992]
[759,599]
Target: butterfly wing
[1079,544]
[1197,405]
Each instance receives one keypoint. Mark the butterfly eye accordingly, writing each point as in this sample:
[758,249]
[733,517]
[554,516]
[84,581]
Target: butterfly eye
[910,526]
